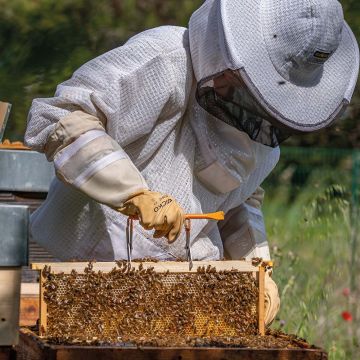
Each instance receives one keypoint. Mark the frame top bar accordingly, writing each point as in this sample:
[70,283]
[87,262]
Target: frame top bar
[160,267]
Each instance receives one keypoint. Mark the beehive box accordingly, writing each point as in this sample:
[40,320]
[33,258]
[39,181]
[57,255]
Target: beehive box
[150,301]
[33,347]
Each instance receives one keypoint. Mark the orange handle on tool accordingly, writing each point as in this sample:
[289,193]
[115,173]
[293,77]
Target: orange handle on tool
[211,216]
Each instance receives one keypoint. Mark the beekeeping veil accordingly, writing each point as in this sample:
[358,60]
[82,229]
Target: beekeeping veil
[290,65]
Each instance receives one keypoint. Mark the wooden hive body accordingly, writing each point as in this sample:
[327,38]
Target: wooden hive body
[118,302]
[33,347]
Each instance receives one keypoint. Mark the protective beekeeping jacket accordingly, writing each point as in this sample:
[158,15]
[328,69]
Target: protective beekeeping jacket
[134,110]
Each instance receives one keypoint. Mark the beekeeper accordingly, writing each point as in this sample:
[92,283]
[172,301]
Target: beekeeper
[188,121]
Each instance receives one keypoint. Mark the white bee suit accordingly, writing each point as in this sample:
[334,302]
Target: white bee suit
[126,120]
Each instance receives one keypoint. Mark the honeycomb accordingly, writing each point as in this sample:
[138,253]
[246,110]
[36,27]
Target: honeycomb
[133,305]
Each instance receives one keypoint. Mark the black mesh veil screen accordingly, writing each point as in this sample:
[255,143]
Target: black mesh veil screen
[227,98]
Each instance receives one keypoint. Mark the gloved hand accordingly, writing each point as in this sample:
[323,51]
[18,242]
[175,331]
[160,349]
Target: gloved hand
[272,299]
[156,211]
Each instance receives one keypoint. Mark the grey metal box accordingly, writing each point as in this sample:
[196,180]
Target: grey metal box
[25,171]
[14,224]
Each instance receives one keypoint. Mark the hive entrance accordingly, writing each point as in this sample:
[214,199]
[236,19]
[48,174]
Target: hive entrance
[115,303]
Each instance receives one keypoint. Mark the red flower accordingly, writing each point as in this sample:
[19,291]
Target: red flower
[346,292]
[346,315]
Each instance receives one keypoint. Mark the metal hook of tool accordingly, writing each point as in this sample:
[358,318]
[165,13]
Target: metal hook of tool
[129,237]
[187,223]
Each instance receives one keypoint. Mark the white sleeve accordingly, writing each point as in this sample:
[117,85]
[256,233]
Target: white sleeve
[124,93]
[243,231]
[126,89]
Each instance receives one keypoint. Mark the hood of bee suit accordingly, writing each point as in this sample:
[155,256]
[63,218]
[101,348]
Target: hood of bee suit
[207,51]
[229,156]
[298,59]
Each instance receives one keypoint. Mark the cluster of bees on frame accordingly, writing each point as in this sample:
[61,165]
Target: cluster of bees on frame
[131,305]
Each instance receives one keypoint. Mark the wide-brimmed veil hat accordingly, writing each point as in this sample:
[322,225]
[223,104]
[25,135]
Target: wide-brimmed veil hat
[299,58]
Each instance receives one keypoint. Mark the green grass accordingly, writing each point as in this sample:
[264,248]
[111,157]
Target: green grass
[309,227]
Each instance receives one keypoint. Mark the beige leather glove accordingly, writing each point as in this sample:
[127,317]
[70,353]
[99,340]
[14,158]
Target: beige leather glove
[272,300]
[156,211]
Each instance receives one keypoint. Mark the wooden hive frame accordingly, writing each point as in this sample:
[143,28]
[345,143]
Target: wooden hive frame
[159,267]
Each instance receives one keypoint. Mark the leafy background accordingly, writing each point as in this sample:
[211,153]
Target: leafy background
[311,211]
[312,219]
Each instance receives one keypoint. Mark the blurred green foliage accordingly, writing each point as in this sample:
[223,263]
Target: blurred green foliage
[44,41]
[314,238]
